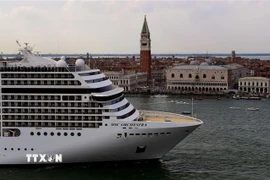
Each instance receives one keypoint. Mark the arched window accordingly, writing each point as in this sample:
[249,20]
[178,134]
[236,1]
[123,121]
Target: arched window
[204,75]
[172,75]
[222,77]
[213,77]
[197,76]
[190,76]
[181,75]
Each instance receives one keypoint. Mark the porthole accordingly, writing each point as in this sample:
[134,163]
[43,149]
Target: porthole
[11,149]
[52,134]
[5,149]
[79,134]
[106,124]
[65,134]
[25,149]
[38,133]
[32,133]
[72,134]
[45,133]
[32,149]
[58,134]
[19,149]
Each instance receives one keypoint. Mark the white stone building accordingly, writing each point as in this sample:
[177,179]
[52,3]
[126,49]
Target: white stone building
[204,78]
[256,85]
[128,81]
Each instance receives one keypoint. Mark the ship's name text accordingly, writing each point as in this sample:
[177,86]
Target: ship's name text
[129,124]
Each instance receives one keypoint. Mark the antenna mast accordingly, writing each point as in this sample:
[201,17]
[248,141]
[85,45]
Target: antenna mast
[192,106]
[18,43]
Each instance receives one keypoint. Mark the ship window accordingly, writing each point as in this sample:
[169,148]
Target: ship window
[79,134]
[72,134]
[65,134]
[131,134]
[32,133]
[5,149]
[19,149]
[52,133]
[58,134]
[45,133]
[32,149]
[25,149]
[11,149]
[38,133]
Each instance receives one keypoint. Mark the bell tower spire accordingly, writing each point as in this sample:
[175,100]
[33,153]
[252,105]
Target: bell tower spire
[145,49]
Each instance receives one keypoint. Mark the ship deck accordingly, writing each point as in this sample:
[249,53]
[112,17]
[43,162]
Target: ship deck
[158,116]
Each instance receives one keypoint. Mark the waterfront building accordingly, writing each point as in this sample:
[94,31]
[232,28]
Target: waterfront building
[129,82]
[145,53]
[235,72]
[254,85]
[196,78]
[158,76]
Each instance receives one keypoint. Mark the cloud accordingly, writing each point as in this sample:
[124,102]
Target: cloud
[114,26]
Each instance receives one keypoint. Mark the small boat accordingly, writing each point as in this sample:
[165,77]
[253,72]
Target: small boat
[186,112]
[234,107]
[253,109]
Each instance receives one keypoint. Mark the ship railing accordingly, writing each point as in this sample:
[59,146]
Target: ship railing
[166,115]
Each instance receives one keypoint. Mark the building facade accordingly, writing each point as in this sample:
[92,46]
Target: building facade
[254,85]
[145,53]
[129,82]
[197,79]
[235,72]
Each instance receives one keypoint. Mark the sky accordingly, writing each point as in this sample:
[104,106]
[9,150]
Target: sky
[114,26]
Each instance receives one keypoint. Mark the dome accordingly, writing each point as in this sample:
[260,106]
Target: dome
[79,62]
[63,58]
[194,62]
[209,61]
[204,64]
[61,63]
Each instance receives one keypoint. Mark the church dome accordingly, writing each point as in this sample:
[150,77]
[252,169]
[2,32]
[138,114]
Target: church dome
[195,62]
[209,61]
[204,64]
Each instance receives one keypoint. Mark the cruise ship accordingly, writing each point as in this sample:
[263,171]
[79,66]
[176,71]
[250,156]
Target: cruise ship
[52,112]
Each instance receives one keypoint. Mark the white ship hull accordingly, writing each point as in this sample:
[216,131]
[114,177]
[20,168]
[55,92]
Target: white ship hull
[94,145]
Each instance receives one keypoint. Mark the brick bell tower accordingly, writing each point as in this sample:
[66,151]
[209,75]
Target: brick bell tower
[145,50]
